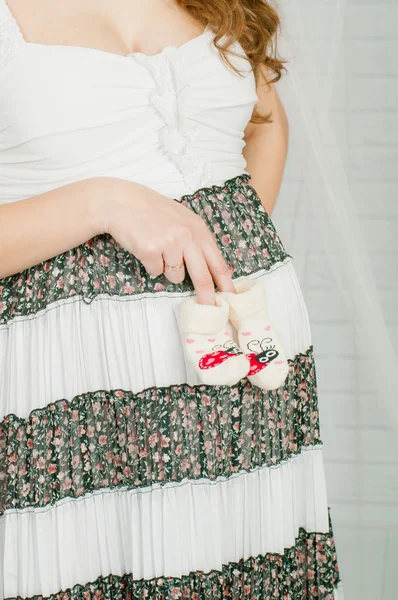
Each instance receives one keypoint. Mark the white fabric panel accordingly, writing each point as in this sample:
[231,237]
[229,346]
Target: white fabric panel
[163,531]
[131,343]
[152,120]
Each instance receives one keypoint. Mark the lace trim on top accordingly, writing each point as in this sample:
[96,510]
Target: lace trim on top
[10,34]
[170,100]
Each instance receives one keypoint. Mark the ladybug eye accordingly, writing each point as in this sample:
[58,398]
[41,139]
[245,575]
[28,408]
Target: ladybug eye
[263,359]
[271,354]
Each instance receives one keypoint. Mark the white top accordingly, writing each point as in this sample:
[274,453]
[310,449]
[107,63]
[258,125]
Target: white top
[173,121]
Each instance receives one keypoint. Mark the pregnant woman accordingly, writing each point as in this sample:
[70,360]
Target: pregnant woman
[141,154]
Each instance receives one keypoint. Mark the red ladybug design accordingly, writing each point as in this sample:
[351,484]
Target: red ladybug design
[219,355]
[259,361]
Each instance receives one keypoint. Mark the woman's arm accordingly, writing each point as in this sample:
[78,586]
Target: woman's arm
[38,228]
[266,147]
[147,224]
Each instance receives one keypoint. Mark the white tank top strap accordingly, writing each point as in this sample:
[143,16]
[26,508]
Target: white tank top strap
[11,37]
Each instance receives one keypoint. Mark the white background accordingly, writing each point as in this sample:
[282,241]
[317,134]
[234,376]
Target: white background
[361,453]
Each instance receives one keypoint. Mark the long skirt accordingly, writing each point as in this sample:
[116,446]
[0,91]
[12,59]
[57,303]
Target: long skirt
[123,477]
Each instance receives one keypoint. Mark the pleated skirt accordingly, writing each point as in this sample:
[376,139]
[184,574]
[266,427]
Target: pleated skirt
[121,476]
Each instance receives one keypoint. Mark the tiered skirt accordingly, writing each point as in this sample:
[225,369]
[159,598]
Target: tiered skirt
[122,477]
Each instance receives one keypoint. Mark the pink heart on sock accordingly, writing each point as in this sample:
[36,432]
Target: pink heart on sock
[226,333]
[267,328]
[211,340]
[278,362]
[246,332]
[199,351]
[189,341]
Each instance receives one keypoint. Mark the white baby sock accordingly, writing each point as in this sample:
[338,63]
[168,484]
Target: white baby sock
[208,343]
[257,337]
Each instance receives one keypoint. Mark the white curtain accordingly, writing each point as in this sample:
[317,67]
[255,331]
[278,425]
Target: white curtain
[338,216]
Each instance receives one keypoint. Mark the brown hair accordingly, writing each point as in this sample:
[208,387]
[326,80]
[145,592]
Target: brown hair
[254,24]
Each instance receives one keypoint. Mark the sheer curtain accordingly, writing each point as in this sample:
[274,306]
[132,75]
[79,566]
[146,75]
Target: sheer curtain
[338,216]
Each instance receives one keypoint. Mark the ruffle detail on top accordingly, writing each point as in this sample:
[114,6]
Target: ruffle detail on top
[170,101]
[10,34]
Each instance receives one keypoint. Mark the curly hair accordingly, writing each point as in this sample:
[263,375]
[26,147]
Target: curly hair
[254,24]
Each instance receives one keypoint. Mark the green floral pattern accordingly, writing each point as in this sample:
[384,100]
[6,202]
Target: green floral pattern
[233,212]
[110,439]
[307,571]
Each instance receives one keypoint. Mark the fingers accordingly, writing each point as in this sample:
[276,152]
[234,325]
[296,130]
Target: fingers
[215,261]
[199,272]
[218,268]
[173,257]
[194,244]
[153,264]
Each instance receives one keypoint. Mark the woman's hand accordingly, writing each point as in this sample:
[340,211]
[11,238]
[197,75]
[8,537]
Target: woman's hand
[155,229]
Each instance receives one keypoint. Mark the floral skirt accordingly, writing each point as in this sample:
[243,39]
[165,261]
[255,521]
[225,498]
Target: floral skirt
[121,476]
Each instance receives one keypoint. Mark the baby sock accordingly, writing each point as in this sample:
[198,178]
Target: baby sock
[257,337]
[208,343]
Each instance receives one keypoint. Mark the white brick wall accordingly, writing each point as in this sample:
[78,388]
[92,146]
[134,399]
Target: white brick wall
[360,451]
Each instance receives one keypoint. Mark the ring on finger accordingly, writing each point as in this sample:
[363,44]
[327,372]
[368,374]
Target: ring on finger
[173,267]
